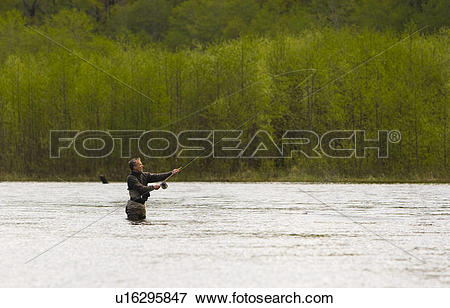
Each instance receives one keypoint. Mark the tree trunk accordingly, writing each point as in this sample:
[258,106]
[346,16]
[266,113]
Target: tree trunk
[31,8]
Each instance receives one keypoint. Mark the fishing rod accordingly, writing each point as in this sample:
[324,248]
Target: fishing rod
[313,93]
[72,52]
[164,184]
[319,89]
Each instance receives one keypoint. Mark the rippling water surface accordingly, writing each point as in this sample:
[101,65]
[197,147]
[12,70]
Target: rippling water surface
[226,235]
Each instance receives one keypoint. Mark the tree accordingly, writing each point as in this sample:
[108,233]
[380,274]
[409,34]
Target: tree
[209,21]
[149,16]
[333,12]
[436,13]
[383,14]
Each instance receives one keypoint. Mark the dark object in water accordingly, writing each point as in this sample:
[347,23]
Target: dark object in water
[135,210]
[164,185]
[103,179]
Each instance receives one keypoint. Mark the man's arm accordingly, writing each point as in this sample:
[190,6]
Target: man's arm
[157,177]
[134,184]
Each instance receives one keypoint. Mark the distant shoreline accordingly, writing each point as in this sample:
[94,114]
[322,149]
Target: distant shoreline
[242,179]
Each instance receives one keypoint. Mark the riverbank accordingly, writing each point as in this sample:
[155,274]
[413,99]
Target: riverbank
[242,177]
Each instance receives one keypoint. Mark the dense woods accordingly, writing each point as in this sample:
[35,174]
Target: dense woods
[296,64]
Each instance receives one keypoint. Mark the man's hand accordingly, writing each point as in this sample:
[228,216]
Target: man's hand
[174,171]
[156,187]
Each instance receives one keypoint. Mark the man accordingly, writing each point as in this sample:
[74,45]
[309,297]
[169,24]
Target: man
[139,191]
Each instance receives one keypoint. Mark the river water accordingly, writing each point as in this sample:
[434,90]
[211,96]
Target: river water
[226,235]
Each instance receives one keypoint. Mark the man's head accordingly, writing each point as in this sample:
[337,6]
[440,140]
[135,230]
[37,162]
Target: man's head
[136,165]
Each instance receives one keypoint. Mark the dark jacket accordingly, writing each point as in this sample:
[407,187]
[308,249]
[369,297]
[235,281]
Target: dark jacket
[137,184]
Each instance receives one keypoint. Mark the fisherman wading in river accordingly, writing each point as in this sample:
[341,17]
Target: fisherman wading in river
[139,191]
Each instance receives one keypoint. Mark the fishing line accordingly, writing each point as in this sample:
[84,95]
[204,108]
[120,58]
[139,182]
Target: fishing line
[72,235]
[88,62]
[70,51]
[239,91]
[212,146]
[322,87]
[241,125]
[363,226]
[192,160]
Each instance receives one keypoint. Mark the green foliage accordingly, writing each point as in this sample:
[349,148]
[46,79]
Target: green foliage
[187,23]
[277,16]
[436,13]
[383,14]
[201,21]
[70,26]
[148,16]
[211,64]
